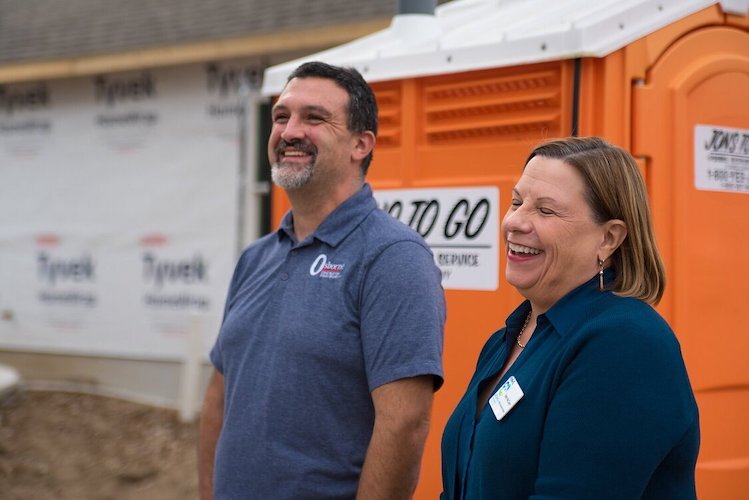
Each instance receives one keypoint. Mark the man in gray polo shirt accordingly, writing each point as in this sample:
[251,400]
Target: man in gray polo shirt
[331,345]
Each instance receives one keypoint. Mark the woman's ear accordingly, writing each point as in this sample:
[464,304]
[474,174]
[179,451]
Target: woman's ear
[614,233]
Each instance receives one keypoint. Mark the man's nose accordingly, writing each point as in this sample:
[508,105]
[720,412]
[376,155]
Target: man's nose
[292,130]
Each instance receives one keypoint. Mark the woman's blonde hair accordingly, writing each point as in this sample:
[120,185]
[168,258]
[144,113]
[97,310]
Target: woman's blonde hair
[615,190]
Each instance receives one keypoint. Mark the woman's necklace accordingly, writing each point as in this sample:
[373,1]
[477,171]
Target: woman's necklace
[517,339]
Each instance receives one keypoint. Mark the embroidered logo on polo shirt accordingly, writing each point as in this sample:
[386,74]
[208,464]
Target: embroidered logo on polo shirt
[323,268]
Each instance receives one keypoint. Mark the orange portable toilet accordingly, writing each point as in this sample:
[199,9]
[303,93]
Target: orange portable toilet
[464,94]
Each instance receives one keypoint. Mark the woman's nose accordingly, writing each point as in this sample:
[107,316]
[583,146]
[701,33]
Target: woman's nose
[516,220]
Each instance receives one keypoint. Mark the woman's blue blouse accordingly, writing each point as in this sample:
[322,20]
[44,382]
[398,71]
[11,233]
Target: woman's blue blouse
[607,411]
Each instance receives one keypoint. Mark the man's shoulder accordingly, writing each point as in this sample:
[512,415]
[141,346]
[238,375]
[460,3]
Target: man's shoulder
[393,248]
[383,230]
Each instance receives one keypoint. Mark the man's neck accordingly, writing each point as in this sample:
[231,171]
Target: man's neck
[310,206]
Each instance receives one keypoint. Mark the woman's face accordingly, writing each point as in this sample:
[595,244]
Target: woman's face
[551,240]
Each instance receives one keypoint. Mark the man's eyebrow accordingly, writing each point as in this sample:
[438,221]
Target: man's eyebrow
[312,108]
[278,107]
[320,110]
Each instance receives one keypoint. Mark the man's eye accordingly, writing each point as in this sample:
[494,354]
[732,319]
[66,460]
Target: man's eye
[314,118]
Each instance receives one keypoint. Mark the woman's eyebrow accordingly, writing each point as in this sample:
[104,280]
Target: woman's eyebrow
[544,199]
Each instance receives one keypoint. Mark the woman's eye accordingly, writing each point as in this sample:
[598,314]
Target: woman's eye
[546,211]
[516,203]
[280,118]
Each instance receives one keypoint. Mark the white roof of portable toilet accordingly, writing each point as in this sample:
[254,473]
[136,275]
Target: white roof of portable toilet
[466,35]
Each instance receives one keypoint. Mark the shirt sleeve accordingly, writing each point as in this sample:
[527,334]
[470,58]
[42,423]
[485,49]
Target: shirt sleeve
[402,315]
[215,355]
[622,404]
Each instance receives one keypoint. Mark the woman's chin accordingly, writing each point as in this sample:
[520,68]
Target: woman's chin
[520,281]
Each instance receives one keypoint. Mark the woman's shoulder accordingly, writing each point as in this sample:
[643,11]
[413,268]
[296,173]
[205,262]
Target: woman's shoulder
[614,321]
[615,312]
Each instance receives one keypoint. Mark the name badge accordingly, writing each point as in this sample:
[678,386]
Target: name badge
[505,398]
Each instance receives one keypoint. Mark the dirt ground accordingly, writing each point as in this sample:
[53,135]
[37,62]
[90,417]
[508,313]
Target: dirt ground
[57,445]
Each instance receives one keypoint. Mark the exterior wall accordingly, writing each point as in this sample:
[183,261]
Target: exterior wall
[153,380]
[97,347]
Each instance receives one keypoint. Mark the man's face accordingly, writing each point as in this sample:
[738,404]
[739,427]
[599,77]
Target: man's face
[310,141]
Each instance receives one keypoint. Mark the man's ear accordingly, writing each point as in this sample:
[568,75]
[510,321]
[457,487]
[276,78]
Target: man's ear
[614,233]
[365,142]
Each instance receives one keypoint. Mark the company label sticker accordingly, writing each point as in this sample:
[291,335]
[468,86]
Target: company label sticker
[721,159]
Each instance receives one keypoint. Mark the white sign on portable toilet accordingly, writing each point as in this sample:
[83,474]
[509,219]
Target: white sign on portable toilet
[721,158]
[461,226]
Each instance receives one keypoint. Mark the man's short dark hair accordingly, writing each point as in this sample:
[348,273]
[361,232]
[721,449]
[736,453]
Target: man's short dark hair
[362,107]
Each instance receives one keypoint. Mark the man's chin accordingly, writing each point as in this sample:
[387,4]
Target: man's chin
[290,178]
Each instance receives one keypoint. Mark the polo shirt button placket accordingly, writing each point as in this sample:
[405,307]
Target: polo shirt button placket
[284,276]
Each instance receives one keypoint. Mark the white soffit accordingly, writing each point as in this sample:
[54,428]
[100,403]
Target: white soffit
[466,35]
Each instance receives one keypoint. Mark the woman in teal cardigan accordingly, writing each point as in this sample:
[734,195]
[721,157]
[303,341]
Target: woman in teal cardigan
[583,394]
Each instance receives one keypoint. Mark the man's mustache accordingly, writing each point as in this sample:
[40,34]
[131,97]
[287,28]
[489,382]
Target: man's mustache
[303,146]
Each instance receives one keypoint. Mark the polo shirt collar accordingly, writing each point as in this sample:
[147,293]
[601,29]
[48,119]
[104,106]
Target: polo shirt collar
[344,219]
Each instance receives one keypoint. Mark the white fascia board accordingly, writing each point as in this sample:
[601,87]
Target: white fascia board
[735,7]
[467,35]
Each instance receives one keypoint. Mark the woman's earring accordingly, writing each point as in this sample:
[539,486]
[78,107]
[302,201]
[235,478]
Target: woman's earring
[600,274]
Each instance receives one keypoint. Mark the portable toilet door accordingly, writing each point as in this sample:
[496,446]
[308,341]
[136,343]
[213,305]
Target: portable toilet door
[690,123]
